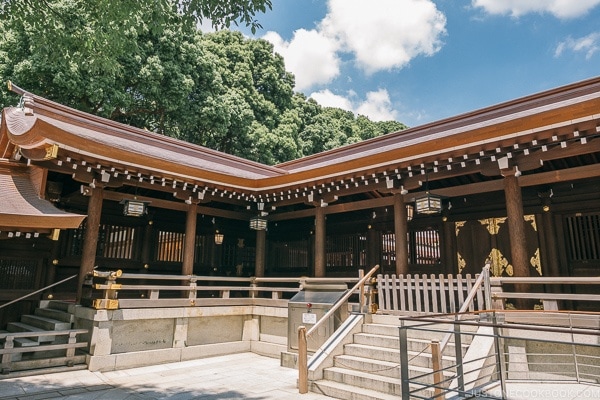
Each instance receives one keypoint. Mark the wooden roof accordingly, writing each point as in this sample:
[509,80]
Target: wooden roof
[462,150]
[23,209]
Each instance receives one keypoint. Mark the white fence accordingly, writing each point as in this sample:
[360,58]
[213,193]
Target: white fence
[426,293]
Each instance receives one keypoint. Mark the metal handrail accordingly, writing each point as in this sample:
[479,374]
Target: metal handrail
[483,278]
[303,334]
[341,301]
[38,291]
[478,383]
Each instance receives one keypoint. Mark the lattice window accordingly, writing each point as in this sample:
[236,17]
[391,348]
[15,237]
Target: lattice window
[19,274]
[116,241]
[583,237]
[388,249]
[202,252]
[346,251]
[424,247]
[292,254]
[170,246]
[72,241]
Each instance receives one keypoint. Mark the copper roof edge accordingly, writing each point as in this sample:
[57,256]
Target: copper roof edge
[547,97]
[108,126]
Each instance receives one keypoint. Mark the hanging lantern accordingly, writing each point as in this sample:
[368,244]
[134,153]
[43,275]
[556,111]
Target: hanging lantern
[258,224]
[219,237]
[428,204]
[134,208]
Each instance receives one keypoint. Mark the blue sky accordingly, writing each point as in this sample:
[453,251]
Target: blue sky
[418,61]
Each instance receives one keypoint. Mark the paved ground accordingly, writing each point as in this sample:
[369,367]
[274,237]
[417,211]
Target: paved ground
[238,376]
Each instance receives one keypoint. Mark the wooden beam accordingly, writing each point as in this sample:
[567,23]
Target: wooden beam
[179,206]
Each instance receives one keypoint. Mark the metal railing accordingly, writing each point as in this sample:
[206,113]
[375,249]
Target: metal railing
[482,280]
[521,352]
[38,291]
[303,335]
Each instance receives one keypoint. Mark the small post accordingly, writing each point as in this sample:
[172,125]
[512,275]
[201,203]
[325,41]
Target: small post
[438,375]
[71,350]
[302,361]
[9,343]
[192,293]
[460,375]
[361,294]
[253,285]
[373,307]
[404,377]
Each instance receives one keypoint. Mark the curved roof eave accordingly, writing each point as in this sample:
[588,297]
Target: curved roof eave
[22,208]
[484,119]
[510,121]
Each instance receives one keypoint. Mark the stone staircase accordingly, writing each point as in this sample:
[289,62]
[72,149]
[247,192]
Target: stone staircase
[43,340]
[369,369]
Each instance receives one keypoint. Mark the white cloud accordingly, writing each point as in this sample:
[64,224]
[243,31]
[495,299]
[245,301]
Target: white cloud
[588,44]
[381,35]
[327,98]
[377,105]
[558,8]
[310,56]
[385,34]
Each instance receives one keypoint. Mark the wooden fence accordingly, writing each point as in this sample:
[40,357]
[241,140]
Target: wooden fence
[426,293]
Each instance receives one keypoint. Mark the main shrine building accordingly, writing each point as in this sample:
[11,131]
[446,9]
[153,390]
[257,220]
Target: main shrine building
[517,183]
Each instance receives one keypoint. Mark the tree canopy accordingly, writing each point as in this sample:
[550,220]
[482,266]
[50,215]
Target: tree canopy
[145,63]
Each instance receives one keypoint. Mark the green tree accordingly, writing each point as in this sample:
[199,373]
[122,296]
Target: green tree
[153,69]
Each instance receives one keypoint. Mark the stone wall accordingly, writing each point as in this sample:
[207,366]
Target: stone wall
[129,338]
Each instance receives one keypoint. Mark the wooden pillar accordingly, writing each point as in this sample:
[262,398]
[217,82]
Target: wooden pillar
[549,242]
[147,246]
[53,261]
[449,259]
[189,245]
[516,225]
[320,240]
[401,234]
[261,247]
[90,238]
[516,229]
[373,248]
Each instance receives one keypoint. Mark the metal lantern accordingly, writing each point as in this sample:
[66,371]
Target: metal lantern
[219,237]
[428,204]
[258,224]
[134,208]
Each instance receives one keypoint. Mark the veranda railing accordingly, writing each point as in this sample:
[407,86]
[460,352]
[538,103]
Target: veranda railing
[122,290]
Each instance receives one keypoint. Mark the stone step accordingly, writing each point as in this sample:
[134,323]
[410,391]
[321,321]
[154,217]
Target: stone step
[391,342]
[58,305]
[364,380]
[20,342]
[22,327]
[52,313]
[48,324]
[343,391]
[390,330]
[383,368]
[419,359]
[395,321]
